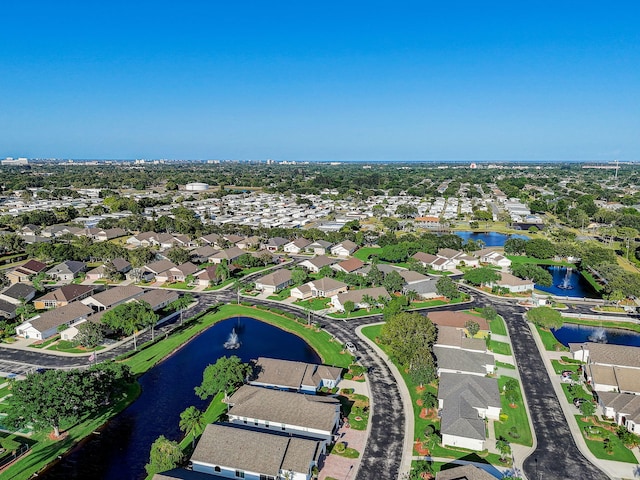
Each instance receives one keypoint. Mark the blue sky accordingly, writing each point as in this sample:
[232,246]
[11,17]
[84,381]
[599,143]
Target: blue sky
[321,80]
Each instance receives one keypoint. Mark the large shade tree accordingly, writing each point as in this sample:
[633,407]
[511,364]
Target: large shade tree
[226,374]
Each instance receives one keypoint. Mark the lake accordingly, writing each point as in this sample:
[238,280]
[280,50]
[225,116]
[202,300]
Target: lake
[121,450]
[568,283]
[570,333]
[490,239]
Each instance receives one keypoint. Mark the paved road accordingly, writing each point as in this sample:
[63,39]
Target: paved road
[556,455]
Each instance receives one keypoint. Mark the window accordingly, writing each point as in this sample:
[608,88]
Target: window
[266,423]
[239,474]
[216,468]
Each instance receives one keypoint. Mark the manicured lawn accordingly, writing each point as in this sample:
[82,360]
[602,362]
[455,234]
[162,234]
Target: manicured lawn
[497,326]
[67,346]
[46,450]
[550,341]
[515,417]
[314,303]
[356,408]
[228,281]
[365,252]
[282,295]
[421,423]
[358,313]
[577,392]
[592,281]
[179,286]
[519,259]
[559,367]
[595,439]
[500,348]
[605,324]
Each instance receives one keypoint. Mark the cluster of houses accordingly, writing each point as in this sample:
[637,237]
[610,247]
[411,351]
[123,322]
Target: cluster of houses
[467,396]
[613,372]
[277,427]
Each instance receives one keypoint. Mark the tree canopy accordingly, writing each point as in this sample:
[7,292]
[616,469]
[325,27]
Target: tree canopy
[481,276]
[226,374]
[409,338]
[165,455]
[545,317]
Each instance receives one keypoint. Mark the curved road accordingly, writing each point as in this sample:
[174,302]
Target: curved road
[556,455]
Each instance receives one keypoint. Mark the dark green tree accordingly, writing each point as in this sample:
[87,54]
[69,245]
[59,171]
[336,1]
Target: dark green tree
[165,455]
[225,375]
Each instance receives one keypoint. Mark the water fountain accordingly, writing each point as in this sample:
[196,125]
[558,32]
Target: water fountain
[566,281]
[599,336]
[233,342]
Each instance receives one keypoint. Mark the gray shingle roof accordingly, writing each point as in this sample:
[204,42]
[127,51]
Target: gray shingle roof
[462,360]
[59,316]
[283,407]
[18,291]
[227,445]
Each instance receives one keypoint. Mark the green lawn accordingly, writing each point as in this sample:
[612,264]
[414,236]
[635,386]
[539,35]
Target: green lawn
[550,341]
[179,286]
[508,366]
[515,417]
[518,259]
[596,443]
[365,252]
[592,281]
[605,324]
[281,295]
[314,303]
[372,332]
[362,312]
[559,367]
[500,348]
[497,326]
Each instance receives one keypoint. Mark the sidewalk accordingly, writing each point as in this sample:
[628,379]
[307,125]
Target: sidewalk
[611,468]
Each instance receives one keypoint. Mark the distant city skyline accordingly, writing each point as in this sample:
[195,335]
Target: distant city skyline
[353,81]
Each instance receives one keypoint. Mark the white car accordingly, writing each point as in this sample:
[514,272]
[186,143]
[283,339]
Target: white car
[351,347]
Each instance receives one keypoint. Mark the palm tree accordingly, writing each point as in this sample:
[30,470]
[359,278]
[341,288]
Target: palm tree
[411,295]
[25,310]
[191,422]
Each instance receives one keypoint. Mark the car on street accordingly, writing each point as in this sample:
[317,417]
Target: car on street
[351,348]
[579,401]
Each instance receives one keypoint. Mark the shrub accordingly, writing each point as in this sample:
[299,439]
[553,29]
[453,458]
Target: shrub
[340,447]
[347,391]
[347,376]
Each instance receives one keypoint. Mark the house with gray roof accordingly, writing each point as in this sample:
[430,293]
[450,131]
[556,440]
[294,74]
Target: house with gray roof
[112,297]
[293,376]
[158,298]
[274,282]
[453,337]
[465,401]
[296,246]
[465,472]
[623,408]
[223,451]
[453,360]
[319,247]
[316,263]
[67,271]
[46,324]
[358,296]
[289,412]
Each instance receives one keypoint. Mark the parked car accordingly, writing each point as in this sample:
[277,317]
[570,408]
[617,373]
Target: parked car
[351,347]
[579,401]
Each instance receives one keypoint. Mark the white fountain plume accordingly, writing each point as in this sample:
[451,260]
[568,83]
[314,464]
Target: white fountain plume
[233,342]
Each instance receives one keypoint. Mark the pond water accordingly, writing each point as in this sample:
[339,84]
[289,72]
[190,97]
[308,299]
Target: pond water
[570,333]
[490,239]
[121,450]
[568,282]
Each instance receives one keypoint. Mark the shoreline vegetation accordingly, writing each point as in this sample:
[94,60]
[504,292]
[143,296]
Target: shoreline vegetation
[45,452]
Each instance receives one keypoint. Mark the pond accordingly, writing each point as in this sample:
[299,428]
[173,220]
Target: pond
[121,450]
[570,333]
[489,239]
[568,282]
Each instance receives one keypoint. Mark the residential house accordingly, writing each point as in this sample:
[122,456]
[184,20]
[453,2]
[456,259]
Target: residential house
[222,451]
[229,254]
[453,360]
[274,282]
[610,368]
[296,246]
[464,472]
[465,401]
[178,273]
[67,271]
[458,257]
[213,239]
[144,239]
[434,262]
[153,270]
[457,319]
[623,408]
[24,272]
[12,297]
[316,263]
[109,234]
[319,247]
[324,287]
[202,254]
[427,222]
[207,277]
[63,296]
[512,283]
[112,297]
[344,249]
[288,412]
[358,296]
[248,242]
[348,266]
[293,376]
[47,324]
[492,257]
[274,244]
[453,337]
[120,265]
[158,298]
